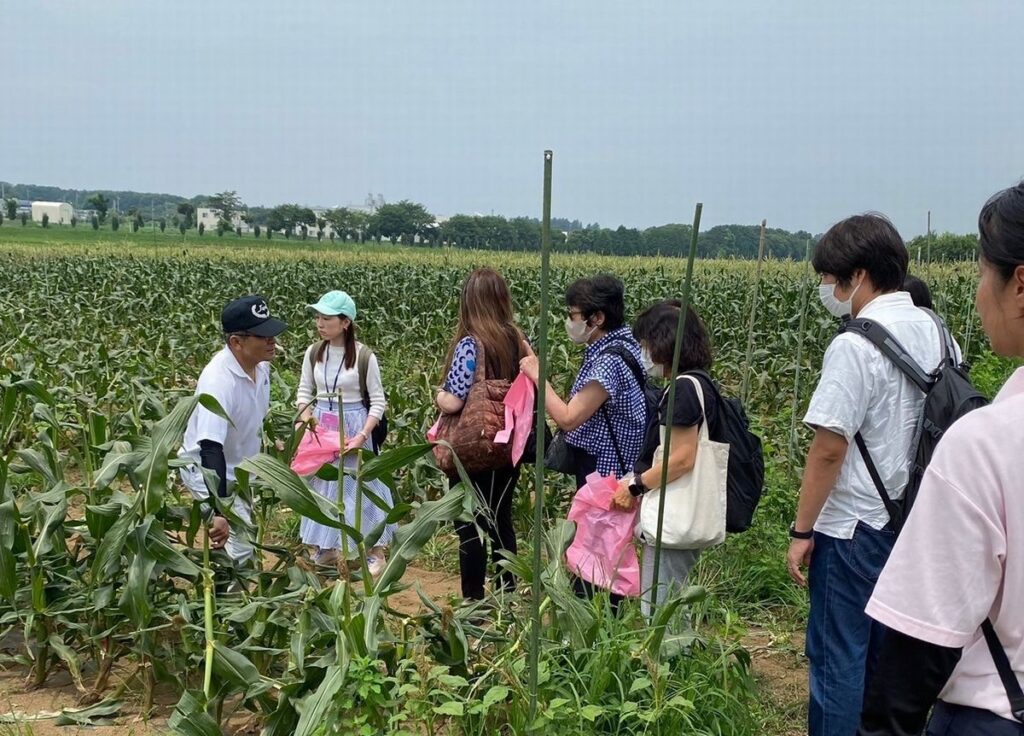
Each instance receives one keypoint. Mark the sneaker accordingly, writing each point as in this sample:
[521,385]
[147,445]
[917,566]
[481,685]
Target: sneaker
[326,557]
[375,563]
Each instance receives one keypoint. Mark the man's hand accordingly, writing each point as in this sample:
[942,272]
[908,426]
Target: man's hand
[219,531]
[799,555]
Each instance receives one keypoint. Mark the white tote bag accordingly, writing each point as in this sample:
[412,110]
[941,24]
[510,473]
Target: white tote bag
[694,502]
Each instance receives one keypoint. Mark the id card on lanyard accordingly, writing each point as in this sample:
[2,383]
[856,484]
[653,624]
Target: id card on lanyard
[329,420]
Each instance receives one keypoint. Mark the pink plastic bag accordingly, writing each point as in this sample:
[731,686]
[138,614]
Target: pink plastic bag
[518,416]
[602,553]
[315,449]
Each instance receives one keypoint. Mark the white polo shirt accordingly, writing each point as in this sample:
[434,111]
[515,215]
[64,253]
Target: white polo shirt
[862,391]
[247,402]
[960,557]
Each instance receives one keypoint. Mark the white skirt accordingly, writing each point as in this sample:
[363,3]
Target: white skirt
[353,417]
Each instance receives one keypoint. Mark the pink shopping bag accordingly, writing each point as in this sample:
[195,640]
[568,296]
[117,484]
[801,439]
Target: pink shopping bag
[602,553]
[315,449]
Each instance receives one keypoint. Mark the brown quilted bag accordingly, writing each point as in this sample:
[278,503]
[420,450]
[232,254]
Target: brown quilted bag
[471,432]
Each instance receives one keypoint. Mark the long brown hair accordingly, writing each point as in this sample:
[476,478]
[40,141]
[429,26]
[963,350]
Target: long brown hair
[485,313]
[350,347]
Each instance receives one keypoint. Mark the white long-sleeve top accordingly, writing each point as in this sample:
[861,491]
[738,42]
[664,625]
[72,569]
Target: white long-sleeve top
[312,382]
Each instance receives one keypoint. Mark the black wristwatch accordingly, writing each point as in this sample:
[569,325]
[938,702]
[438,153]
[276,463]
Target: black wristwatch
[794,534]
[637,487]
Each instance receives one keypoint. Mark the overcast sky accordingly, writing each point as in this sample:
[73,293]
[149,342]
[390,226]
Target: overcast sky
[798,112]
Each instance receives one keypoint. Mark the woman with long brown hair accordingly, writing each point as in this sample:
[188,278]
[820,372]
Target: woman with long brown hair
[486,324]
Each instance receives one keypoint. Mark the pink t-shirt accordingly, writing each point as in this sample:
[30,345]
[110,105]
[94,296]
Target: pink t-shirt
[960,557]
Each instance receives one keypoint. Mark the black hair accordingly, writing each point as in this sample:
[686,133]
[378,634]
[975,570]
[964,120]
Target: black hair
[601,293]
[1001,230]
[866,241]
[918,291]
[656,328]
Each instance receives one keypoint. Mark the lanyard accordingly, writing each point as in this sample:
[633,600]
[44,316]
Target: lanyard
[332,390]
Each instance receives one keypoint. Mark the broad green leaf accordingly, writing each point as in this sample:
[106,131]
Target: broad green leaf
[450,708]
[314,707]
[94,715]
[8,529]
[190,716]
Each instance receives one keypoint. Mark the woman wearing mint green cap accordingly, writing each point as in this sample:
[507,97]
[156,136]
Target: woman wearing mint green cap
[330,396]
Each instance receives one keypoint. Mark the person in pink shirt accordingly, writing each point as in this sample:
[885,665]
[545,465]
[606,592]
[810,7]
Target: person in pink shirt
[960,558]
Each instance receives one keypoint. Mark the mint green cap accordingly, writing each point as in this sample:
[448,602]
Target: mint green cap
[334,303]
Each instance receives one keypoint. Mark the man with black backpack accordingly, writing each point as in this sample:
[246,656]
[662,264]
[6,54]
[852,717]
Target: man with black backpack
[865,413]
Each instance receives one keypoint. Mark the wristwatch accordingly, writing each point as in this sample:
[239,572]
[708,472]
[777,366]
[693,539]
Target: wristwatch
[637,487]
[794,534]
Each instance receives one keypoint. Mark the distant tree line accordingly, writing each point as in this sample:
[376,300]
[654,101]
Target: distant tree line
[410,223]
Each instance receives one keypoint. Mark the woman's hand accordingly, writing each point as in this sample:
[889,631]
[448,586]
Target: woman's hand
[529,363]
[309,421]
[356,441]
[623,500]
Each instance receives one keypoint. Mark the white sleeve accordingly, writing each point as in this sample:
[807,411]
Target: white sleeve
[306,391]
[375,387]
[840,401]
[209,426]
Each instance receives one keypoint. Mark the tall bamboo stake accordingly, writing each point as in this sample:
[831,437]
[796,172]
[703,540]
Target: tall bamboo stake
[804,293]
[538,511]
[670,404]
[929,264]
[753,316]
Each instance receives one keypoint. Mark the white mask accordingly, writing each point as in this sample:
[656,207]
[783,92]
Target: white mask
[577,330]
[650,367]
[840,309]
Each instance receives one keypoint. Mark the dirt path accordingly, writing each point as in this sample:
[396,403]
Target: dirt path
[780,670]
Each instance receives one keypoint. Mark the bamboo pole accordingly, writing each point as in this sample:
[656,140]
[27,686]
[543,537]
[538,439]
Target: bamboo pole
[804,296]
[753,315]
[670,404]
[538,511]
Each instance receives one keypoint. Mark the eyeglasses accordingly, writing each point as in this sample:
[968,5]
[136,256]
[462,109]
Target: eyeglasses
[574,312]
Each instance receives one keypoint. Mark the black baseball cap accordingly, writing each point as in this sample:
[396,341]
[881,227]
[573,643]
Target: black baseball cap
[250,314]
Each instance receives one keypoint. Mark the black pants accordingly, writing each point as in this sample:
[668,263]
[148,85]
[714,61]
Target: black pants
[495,492]
[959,720]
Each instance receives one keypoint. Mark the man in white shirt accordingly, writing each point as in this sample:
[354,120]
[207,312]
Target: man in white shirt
[842,530]
[239,378]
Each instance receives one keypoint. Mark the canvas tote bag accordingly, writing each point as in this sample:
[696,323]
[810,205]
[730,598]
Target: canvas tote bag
[694,502]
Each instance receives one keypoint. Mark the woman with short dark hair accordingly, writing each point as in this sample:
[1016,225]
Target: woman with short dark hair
[655,329]
[606,415]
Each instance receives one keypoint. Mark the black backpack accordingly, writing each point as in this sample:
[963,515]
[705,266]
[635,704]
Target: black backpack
[745,482]
[948,396]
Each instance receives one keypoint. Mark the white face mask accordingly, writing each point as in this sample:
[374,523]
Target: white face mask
[827,294]
[650,367]
[577,330]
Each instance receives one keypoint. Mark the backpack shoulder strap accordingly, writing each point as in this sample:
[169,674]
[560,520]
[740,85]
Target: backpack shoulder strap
[882,339]
[362,364]
[894,511]
[945,337]
[1005,670]
[628,358]
[313,353]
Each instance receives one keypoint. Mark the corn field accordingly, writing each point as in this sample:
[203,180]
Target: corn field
[104,574]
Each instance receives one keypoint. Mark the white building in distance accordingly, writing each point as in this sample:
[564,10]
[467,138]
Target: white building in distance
[208,217]
[60,213]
